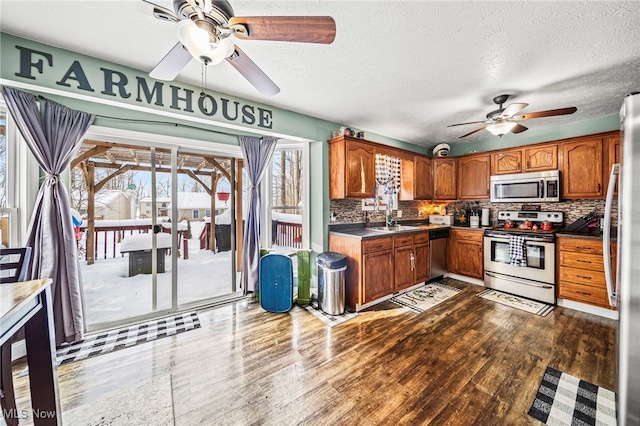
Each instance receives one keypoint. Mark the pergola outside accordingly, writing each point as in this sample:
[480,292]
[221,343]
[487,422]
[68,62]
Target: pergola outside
[119,158]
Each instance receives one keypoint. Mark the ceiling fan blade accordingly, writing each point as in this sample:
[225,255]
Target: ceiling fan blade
[163,13]
[513,109]
[173,62]
[463,124]
[548,113]
[470,133]
[518,128]
[254,75]
[305,29]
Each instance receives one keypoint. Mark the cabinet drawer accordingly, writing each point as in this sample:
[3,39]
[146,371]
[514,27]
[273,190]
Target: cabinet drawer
[582,260]
[582,293]
[580,245]
[369,246]
[582,276]
[422,237]
[468,235]
[403,240]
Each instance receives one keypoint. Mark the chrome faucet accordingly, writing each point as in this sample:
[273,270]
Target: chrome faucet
[390,221]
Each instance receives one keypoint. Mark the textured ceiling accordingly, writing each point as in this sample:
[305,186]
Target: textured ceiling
[402,69]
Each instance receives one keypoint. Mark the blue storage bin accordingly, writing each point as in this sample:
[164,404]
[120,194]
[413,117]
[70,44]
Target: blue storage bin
[276,282]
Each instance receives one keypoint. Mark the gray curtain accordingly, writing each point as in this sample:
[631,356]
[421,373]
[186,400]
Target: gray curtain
[257,155]
[54,141]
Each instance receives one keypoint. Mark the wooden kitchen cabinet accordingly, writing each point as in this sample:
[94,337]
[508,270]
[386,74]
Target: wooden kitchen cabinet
[581,271]
[582,169]
[613,149]
[444,178]
[540,158]
[465,255]
[422,178]
[351,168]
[505,162]
[523,160]
[377,275]
[422,257]
[404,262]
[474,172]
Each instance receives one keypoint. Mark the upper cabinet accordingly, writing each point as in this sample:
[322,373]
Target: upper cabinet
[533,159]
[473,177]
[422,178]
[505,162]
[351,168]
[582,168]
[444,178]
[613,149]
[539,158]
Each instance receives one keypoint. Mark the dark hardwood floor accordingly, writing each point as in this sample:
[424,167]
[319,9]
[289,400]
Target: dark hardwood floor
[468,361]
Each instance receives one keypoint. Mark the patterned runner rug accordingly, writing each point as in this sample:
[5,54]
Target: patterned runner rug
[563,399]
[330,320]
[518,302]
[425,297]
[127,337]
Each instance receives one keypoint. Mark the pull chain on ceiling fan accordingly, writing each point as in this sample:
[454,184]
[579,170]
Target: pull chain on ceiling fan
[205,31]
[504,120]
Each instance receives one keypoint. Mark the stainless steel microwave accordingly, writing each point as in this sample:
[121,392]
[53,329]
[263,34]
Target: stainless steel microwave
[541,187]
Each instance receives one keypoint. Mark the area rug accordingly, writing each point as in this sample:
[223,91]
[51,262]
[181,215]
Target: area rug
[150,403]
[127,337]
[330,320]
[425,297]
[518,302]
[563,399]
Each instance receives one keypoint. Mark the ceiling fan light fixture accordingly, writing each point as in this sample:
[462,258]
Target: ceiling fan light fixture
[501,127]
[201,44]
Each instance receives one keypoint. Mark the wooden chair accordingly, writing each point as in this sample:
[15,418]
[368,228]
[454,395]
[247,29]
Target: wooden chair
[14,263]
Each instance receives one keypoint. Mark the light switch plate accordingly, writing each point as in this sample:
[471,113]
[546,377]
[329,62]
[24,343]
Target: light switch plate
[399,213]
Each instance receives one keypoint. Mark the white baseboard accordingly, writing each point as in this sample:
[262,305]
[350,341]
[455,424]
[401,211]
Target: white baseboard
[583,307]
[465,279]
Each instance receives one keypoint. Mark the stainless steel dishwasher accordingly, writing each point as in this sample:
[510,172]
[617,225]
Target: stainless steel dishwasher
[438,258]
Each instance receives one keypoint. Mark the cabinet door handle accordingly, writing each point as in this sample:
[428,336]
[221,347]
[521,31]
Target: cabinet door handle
[413,261]
[583,261]
[583,292]
[582,276]
[528,164]
[518,165]
[436,193]
[583,248]
[599,187]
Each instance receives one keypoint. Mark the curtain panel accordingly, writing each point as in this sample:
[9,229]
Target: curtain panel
[257,156]
[54,140]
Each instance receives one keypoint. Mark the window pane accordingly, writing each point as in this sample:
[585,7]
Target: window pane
[287,198]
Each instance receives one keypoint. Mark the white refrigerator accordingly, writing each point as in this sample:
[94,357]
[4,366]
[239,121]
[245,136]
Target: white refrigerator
[624,289]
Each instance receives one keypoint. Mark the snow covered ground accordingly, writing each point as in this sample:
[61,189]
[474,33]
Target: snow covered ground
[111,295]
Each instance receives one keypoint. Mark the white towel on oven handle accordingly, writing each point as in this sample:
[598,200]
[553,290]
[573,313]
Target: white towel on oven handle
[517,250]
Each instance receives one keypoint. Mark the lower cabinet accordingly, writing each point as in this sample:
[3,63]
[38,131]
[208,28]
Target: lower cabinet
[465,255]
[581,271]
[379,267]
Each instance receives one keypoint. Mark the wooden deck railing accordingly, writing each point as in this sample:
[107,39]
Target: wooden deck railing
[284,234]
[108,237]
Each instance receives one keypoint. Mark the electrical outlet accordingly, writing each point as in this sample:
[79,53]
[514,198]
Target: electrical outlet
[419,213]
[332,216]
[399,214]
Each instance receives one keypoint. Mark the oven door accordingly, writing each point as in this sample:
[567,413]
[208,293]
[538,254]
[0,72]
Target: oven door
[540,259]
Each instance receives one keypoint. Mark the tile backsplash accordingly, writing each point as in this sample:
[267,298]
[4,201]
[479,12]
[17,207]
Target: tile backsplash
[350,210]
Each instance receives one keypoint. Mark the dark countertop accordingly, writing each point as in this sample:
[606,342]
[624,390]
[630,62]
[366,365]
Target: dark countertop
[592,233]
[360,232]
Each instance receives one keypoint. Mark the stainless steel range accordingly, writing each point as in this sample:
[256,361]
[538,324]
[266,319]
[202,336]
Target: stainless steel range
[519,254]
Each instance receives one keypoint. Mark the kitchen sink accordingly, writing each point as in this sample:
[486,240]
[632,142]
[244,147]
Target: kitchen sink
[394,228]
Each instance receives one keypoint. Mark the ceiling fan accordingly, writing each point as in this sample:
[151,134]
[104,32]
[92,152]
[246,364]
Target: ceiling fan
[505,120]
[205,31]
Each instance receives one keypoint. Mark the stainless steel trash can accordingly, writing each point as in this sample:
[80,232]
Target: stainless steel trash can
[331,273]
